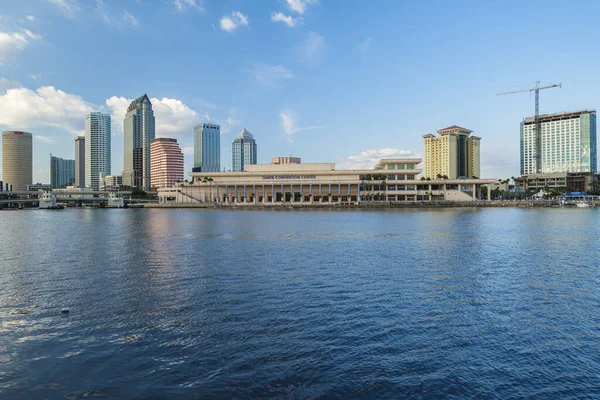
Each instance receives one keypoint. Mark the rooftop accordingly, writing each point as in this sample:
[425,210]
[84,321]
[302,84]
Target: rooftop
[245,135]
[558,116]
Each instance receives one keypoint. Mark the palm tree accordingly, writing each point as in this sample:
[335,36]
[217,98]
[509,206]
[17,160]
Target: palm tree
[439,176]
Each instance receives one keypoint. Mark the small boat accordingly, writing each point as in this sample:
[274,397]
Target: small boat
[115,201]
[582,204]
[47,201]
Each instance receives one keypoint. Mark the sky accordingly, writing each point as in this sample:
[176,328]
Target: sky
[338,81]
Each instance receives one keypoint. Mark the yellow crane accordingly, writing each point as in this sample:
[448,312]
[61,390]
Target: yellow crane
[536,118]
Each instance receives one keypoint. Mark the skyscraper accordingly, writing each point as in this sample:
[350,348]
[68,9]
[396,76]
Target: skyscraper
[80,161]
[17,163]
[97,148]
[243,151]
[138,128]
[62,172]
[207,148]
[568,143]
[454,153]
[166,161]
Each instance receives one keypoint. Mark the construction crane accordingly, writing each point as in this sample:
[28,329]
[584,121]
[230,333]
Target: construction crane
[536,119]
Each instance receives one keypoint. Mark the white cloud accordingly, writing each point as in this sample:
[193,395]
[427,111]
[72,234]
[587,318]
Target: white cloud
[69,8]
[368,158]
[36,76]
[30,18]
[13,43]
[236,20]
[364,46]
[47,106]
[188,150]
[207,117]
[270,74]
[131,19]
[300,6]
[182,5]
[313,48]
[229,124]
[289,124]
[281,17]
[120,22]
[43,139]
[6,84]
[173,117]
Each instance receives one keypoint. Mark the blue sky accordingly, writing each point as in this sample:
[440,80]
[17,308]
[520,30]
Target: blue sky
[325,80]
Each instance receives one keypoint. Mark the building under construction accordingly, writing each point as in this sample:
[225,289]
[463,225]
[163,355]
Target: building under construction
[567,140]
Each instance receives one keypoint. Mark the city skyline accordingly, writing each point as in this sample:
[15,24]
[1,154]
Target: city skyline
[296,91]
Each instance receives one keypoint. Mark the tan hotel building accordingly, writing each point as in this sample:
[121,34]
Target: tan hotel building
[267,184]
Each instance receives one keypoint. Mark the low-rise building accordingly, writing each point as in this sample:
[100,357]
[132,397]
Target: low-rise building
[390,180]
[572,181]
[286,160]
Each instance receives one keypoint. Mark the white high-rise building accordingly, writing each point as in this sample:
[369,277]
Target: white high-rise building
[568,143]
[97,148]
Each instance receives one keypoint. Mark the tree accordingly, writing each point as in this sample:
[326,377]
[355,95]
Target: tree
[422,178]
[439,176]
[428,179]
[445,177]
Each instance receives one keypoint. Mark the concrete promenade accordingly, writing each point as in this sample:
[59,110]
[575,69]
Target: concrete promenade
[370,205]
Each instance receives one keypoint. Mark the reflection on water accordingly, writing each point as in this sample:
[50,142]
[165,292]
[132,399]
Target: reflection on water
[222,303]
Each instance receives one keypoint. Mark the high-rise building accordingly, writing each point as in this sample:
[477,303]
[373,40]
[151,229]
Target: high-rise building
[62,172]
[138,128]
[207,148]
[454,153]
[17,162]
[166,163]
[286,160]
[243,151]
[568,143]
[80,161]
[97,148]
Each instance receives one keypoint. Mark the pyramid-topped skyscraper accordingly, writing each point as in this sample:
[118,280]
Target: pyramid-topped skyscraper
[138,128]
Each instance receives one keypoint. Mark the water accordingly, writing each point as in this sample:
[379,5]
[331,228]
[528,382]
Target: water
[492,303]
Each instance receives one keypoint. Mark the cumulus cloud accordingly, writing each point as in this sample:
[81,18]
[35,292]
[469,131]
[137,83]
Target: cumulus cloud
[6,84]
[368,158]
[23,108]
[270,74]
[182,5]
[30,18]
[286,19]
[300,6]
[13,43]
[313,48]
[69,8]
[173,117]
[236,20]
[289,124]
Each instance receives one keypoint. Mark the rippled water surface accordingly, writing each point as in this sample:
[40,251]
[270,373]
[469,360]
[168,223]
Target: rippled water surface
[492,303]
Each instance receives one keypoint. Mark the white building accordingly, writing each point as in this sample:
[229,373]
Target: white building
[568,143]
[391,180]
[97,148]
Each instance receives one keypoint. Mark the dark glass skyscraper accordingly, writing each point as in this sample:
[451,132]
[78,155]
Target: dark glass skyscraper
[138,129]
